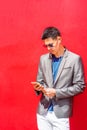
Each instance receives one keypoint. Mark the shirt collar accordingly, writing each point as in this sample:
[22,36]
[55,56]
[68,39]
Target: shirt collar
[51,55]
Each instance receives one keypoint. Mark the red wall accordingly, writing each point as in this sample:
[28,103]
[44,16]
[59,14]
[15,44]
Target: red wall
[21,25]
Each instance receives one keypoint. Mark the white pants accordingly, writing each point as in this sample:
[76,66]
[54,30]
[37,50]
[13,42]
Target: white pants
[51,122]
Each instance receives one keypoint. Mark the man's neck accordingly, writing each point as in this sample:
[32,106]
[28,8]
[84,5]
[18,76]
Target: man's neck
[60,52]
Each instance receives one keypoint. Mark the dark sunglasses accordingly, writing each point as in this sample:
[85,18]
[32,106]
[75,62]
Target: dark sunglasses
[49,45]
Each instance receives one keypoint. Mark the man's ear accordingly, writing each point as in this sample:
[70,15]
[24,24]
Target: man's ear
[59,37]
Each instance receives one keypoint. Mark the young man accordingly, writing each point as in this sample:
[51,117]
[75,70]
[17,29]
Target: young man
[60,77]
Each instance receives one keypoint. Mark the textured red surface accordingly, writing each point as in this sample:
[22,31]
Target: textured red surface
[21,25]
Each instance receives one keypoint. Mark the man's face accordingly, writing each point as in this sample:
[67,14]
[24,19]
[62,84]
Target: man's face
[52,45]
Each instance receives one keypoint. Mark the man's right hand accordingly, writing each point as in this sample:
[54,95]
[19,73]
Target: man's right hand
[38,86]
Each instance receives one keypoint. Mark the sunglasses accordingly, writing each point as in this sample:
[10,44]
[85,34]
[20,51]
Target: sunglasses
[49,45]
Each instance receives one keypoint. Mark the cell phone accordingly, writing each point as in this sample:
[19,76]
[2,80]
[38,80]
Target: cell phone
[38,86]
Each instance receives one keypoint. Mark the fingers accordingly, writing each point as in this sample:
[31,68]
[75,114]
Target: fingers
[37,86]
[50,92]
[35,83]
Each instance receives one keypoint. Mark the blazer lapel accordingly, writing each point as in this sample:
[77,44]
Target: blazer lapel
[61,66]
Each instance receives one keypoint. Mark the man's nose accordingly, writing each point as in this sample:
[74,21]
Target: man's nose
[48,48]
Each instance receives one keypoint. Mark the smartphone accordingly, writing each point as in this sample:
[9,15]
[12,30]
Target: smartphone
[37,85]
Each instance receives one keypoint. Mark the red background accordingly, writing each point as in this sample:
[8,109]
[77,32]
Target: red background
[21,25]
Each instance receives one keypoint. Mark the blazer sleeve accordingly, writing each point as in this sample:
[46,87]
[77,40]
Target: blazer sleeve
[40,76]
[78,83]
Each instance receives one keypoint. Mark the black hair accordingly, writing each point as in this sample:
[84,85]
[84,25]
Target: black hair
[50,32]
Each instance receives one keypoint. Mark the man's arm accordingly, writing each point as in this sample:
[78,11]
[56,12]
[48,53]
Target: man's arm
[78,83]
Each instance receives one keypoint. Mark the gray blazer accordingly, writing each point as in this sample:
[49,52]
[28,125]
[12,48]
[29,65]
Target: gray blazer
[69,82]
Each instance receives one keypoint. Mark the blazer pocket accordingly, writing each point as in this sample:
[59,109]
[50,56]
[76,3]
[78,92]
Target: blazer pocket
[67,67]
[67,70]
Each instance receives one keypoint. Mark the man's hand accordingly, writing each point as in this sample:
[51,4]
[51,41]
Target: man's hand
[38,86]
[50,92]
